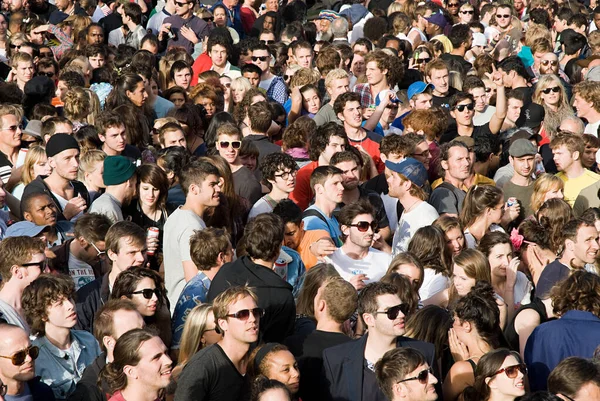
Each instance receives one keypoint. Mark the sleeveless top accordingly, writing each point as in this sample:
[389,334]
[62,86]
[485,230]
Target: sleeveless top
[511,334]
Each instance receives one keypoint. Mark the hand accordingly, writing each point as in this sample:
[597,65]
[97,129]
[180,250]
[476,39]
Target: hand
[74,207]
[495,76]
[189,34]
[358,281]
[513,211]
[41,29]
[511,272]
[296,95]
[164,30]
[152,244]
[323,247]
[459,351]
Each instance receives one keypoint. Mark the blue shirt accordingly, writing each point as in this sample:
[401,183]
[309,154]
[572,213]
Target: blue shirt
[330,225]
[295,269]
[194,293]
[576,333]
[234,17]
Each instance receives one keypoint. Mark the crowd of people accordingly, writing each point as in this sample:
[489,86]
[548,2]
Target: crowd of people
[335,200]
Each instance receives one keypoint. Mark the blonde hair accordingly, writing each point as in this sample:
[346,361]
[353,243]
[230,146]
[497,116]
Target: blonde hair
[193,330]
[35,154]
[77,105]
[394,8]
[544,184]
[543,83]
[95,107]
[334,74]
[78,23]
[535,32]
[240,83]
[88,161]
[159,122]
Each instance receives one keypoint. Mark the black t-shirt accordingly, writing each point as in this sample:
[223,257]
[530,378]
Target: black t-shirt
[478,131]
[210,376]
[370,389]
[5,168]
[444,101]
[457,63]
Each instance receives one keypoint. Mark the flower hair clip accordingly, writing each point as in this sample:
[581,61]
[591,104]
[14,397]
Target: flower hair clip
[516,239]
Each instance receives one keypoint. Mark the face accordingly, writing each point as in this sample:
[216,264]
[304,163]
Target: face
[268,23]
[411,272]
[552,98]
[352,114]
[422,154]
[418,391]
[130,254]
[10,131]
[506,387]
[503,17]
[210,335]
[174,138]
[254,79]
[249,162]
[464,117]
[554,193]
[582,107]
[61,90]
[42,212]
[480,98]
[374,74]
[356,237]
[66,164]
[589,156]
[267,38]
[350,174]
[96,61]
[358,66]
[208,191]
[154,368]
[95,35]
[311,101]
[336,144]
[285,180]
[218,54]
[244,331]
[514,109]
[585,248]
[12,342]
[146,307]
[232,149]
[183,78]
[61,314]
[523,165]
[422,101]
[148,194]
[178,99]
[272,5]
[261,58]
[139,95]
[563,158]
[304,57]
[440,79]
[94,177]
[183,8]
[382,323]
[339,86]
[499,258]
[292,235]
[588,391]
[455,240]
[284,368]
[466,14]
[549,64]
[462,282]
[24,71]
[115,138]
[333,189]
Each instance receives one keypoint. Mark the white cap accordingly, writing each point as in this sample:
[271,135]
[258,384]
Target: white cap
[479,39]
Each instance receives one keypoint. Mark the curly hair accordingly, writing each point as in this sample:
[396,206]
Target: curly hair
[296,134]
[553,215]
[274,162]
[580,291]
[40,295]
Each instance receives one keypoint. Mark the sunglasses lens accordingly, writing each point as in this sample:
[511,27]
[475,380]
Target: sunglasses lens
[423,376]
[393,312]
[243,314]
[236,144]
[511,372]
[362,226]
[257,312]
[224,144]
[147,293]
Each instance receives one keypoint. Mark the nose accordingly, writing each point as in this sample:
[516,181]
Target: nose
[139,257]
[154,297]
[432,378]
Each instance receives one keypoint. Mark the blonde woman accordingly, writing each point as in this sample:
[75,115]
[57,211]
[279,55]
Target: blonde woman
[239,87]
[36,163]
[547,186]
[81,107]
[550,93]
[91,167]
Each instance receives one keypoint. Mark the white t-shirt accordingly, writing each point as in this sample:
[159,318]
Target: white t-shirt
[422,215]
[592,128]
[432,284]
[374,265]
[485,117]
[81,272]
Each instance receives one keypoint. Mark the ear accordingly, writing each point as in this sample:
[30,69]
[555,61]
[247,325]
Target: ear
[130,371]
[444,164]
[575,154]
[340,116]
[345,229]
[453,113]
[467,326]
[301,224]
[102,138]
[27,216]
[16,272]
[51,162]
[111,255]
[109,342]
[369,319]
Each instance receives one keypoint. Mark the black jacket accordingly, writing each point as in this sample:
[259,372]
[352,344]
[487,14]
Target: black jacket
[343,367]
[274,295]
[39,186]
[87,388]
[90,298]
[40,391]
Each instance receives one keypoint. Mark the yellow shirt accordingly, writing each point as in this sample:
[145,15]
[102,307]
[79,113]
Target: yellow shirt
[574,185]
[479,180]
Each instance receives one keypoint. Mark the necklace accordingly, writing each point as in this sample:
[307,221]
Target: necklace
[408,209]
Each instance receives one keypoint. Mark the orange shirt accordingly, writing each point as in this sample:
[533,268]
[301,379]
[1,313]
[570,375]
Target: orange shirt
[310,236]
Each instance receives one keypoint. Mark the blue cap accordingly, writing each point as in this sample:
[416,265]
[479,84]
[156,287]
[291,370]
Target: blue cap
[411,168]
[24,229]
[418,87]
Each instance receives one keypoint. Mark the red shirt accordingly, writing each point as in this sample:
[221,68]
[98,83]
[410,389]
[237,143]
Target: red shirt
[303,193]
[202,63]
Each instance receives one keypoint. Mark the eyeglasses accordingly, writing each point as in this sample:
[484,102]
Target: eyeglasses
[13,128]
[46,54]
[566,396]
[233,144]
[45,74]
[556,89]
[267,42]
[422,376]
[553,63]
[244,314]
[363,226]
[499,16]
[226,84]
[147,292]
[287,174]
[425,153]
[261,58]
[42,265]
[18,358]
[393,312]
[15,46]
[461,107]
[470,12]
[512,371]
[422,60]
[100,253]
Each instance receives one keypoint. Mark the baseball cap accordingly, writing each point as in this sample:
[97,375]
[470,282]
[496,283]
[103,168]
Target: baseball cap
[418,87]
[479,39]
[411,168]
[438,19]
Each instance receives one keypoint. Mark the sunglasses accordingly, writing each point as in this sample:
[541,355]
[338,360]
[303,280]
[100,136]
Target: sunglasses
[453,4]
[181,4]
[556,89]
[498,16]
[100,253]
[461,107]
[3,389]
[261,58]
[267,42]
[46,54]
[45,74]
[392,313]
[13,128]
[513,371]
[42,265]
[233,144]
[18,358]
[208,19]
[15,46]
[422,60]
[422,377]
[470,12]
[244,314]
[553,63]
[363,226]
[286,77]
[147,292]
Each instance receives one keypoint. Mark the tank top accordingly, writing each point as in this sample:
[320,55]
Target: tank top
[511,334]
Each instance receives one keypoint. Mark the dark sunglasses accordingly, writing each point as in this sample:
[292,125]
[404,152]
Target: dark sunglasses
[42,265]
[393,312]
[461,107]
[208,19]
[147,292]
[267,42]
[499,16]
[18,358]
[46,54]
[261,58]
[512,371]
[470,12]
[244,314]
[453,4]
[422,377]
[3,389]
[363,226]
[181,4]
[45,74]
[422,60]
[556,89]
[233,144]
[554,63]
[286,77]
[15,46]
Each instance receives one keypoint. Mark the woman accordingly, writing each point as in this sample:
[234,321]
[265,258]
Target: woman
[407,264]
[509,284]
[64,353]
[453,232]
[428,246]
[305,308]
[78,107]
[91,167]
[145,288]
[500,376]
[239,87]
[551,94]
[129,89]
[475,331]
[553,215]
[177,95]
[295,139]
[275,362]
[535,249]
[226,82]
[264,389]
[219,16]
[311,102]
[190,120]
[206,96]
[35,164]
[546,186]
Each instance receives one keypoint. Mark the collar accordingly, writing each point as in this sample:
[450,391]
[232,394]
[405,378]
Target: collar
[76,346]
[580,315]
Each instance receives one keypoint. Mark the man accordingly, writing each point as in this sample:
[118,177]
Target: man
[115,318]
[405,181]
[335,302]
[219,50]
[64,9]
[39,209]
[259,120]
[252,73]
[279,170]
[120,179]
[156,21]
[217,372]
[69,195]
[461,38]
[201,186]
[263,237]
[587,104]
[229,143]
[356,261]
[10,141]
[337,82]
[572,43]
[83,256]
[183,28]
[210,250]
[94,34]
[522,157]
[274,85]
[233,14]
[132,32]
[504,25]
[474,86]
[339,29]
[567,149]
[436,74]
[125,248]
[303,54]
[580,246]
[96,55]
[111,132]
[349,368]
[516,77]
[348,109]
[420,95]
[19,378]
[576,379]
[171,134]
[22,260]
[378,66]
[448,197]
[23,68]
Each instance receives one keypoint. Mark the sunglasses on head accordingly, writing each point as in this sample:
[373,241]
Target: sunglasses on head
[422,376]
[233,144]
[244,314]
[45,74]
[461,107]
[261,58]
[363,226]
[499,16]
[470,12]
[147,292]
[513,371]
[393,312]
[556,89]
[553,63]
[18,358]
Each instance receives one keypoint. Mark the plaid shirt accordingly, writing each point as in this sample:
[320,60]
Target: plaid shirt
[366,99]
[277,90]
